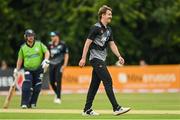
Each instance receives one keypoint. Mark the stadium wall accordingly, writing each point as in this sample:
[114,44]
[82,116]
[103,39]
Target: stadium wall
[155,78]
[128,79]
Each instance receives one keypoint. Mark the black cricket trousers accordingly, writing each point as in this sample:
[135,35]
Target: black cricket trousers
[100,72]
[56,78]
[31,86]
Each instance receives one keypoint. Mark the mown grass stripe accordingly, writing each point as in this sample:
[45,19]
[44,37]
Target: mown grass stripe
[77,111]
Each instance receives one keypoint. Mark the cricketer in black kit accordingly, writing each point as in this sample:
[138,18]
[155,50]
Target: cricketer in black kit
[99,38]
[59,55]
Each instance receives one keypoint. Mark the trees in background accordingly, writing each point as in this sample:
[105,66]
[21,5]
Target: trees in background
[143,29]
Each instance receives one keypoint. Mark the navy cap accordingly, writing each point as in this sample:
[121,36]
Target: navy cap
[54,33]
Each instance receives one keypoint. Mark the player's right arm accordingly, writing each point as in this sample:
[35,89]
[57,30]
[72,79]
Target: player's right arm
[89,40]
[82,62]
[20,59]
[19,62]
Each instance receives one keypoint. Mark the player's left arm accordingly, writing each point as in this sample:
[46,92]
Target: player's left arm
[46,55]
[115,50]
[45,62]
[18,63]
[66,58]
[45,51]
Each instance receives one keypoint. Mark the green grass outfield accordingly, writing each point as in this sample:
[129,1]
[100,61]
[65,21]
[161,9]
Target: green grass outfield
[160,106]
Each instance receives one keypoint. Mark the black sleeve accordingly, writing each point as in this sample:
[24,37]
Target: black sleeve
[49,45]
[111,36]
[66,50]
[93,32]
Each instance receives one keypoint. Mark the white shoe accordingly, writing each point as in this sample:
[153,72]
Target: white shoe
[57,100]
[90,112]
[24,107]
[121,110]
[33,106]
[55,97]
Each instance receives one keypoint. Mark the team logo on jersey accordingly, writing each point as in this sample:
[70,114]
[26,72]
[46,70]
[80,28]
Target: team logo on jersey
[59,47]
[36,49]
[108,33]
[102,31]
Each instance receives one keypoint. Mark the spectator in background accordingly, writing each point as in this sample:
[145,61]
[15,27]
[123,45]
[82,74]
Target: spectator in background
[4,65]
[142,62]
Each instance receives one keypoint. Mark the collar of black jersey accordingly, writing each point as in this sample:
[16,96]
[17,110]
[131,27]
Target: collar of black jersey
[102,25]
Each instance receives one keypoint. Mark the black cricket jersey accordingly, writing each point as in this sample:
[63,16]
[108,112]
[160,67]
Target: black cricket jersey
[100,35]
[57,52]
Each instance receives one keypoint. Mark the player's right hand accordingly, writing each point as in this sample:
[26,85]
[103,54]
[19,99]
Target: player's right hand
[121,60]
[15,73]
[82,62]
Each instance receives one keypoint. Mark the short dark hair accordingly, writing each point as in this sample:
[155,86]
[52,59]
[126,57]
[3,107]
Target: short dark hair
[103,9]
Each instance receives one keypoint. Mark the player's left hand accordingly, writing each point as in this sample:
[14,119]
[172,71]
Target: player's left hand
[45,64]
[62,68]
[121,60]
[82,62]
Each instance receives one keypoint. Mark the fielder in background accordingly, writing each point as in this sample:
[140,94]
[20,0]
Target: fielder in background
[59,55]
[33,57]
[97,41]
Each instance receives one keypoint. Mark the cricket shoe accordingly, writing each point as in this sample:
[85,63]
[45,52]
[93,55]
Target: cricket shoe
[33,106]
[57,100]
[90,112]
[24,107]
[121,110]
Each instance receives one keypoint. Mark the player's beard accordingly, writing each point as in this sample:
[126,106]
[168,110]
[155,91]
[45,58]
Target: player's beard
[31,40]
[109,20]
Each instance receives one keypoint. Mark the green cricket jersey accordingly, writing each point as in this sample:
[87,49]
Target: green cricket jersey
[32,56]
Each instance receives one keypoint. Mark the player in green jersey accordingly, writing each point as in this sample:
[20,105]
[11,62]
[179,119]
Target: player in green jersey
[33,57]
